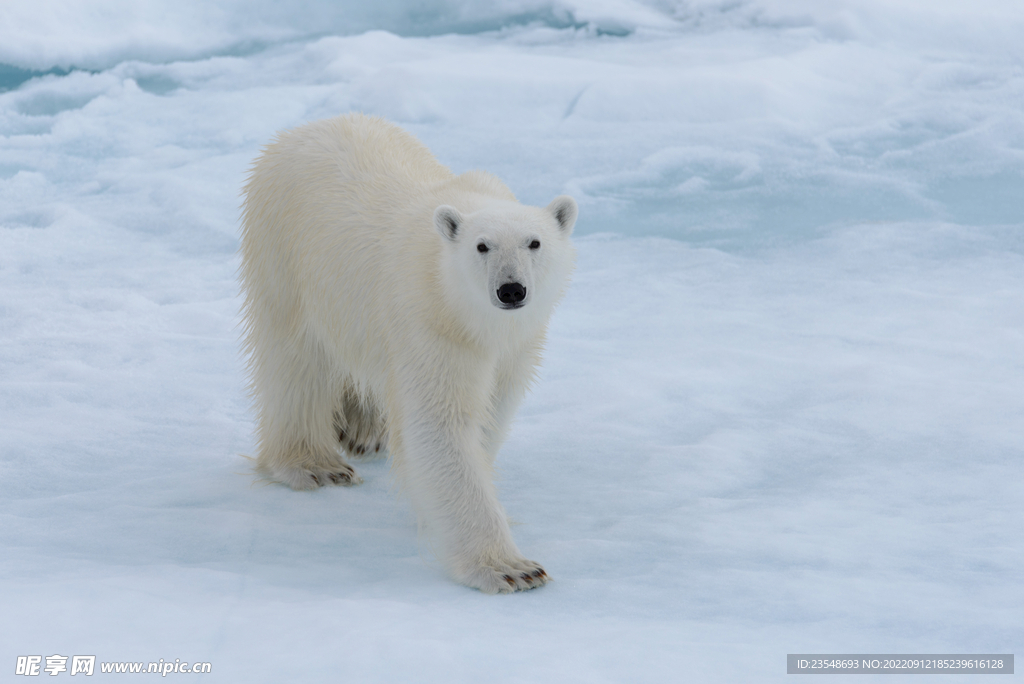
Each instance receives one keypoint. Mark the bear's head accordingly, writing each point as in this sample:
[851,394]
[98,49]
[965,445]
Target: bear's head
[507,256]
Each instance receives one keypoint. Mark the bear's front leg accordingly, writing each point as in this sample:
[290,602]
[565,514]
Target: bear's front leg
[448,475]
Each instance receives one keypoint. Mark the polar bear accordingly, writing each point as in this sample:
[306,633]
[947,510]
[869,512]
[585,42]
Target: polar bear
[390,304]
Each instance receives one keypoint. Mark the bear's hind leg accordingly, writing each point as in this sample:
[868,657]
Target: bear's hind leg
[360,426]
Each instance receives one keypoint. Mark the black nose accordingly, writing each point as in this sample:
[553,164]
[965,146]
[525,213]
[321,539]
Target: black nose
[511,293]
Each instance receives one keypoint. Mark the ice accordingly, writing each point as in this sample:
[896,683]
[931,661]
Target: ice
[780,410]
[65,33]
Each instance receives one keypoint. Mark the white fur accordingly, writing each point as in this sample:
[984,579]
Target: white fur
[372,319]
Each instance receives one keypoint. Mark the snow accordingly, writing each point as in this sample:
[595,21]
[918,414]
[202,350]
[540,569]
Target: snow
[780,409]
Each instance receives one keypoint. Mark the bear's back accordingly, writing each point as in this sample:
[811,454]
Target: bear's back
[369,149]
[352,164]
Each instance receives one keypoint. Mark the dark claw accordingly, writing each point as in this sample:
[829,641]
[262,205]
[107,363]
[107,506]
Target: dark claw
[341,436]
[377,448]
[538,573]
[360,450]
[315,478]
[508,579]
[526,578]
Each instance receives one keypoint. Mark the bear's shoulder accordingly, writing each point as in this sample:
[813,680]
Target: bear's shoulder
[482,183]
[366,146]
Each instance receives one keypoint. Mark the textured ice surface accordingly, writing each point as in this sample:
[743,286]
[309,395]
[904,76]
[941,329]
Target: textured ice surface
[781,409]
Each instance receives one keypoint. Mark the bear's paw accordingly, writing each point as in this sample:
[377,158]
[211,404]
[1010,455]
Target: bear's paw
[362,445]
[507,576]
[314,478]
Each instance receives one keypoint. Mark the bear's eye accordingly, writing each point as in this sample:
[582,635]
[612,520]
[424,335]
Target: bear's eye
[535,244]
[482,248]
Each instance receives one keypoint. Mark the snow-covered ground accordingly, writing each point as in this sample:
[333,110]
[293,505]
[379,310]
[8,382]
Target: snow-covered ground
[782,409]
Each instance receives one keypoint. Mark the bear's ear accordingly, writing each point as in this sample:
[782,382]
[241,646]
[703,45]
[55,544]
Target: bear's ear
[447,220]
[564,209]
